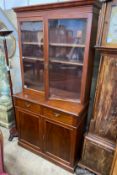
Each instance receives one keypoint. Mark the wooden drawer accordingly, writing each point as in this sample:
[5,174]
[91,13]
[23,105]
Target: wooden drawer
[60,116]
[27,105]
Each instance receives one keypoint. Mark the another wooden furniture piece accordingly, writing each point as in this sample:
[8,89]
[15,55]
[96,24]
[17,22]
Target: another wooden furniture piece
[52,108]
[114,164]
[100,142]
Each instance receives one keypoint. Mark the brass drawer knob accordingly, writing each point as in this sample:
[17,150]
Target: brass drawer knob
[27,104]
[57,114]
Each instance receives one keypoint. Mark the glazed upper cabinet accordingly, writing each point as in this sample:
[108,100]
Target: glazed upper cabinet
[56,55]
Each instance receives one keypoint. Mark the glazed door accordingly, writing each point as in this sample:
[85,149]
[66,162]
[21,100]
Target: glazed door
[57,141]
[67,39]
[32,37]
[29,128]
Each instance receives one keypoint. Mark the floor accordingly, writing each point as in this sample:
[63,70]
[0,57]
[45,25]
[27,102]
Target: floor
[19,161]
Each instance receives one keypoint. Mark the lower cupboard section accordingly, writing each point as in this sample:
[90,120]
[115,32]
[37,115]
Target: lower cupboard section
[52,140]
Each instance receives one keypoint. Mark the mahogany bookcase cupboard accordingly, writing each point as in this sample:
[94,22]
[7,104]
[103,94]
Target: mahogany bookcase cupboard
[56,54]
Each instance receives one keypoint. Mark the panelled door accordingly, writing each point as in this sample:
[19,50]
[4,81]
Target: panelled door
[29,128]
[58,141]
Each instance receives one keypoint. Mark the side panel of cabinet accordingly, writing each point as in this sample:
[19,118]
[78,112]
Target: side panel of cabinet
[58,141]
[29,128]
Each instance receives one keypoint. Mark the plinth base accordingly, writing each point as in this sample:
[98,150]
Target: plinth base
[6,115]
[97,154]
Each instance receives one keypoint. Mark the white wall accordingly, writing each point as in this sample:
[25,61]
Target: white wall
[8,4]
[2,4]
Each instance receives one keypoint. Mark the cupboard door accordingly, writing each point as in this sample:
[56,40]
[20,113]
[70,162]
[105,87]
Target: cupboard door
[32,54]
[29,128]
[57,140]
[67,40]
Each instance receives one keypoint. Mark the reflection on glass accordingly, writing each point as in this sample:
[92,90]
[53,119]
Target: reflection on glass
[33,74]
[67,31]
[29,50]
[32,31]
[66,55]
[32,54]
[32,39]
[65,81]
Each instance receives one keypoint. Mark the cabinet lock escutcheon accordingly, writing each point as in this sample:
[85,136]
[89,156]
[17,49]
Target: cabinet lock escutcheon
[27,104]
[46,65]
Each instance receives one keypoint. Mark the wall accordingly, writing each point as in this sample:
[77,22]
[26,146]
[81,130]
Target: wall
[8,4]
[15,66]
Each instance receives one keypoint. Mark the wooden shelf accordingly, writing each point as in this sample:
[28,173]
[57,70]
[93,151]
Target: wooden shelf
[32,43]
[57,93]
[34,85]
[67,45]
[33,58]
[66,62]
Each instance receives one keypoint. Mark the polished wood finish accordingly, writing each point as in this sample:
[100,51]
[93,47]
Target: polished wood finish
[59,116]
[27,105]
[29,122]
[50,126]
[49,131]
[59,146]
[75,109]
[56,5]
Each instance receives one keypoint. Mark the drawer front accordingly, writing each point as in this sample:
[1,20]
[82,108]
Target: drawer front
[60,116]
[28,105]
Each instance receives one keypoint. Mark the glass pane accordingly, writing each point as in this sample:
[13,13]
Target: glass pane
[32,54]
[33,74]
[65,81]
[66,56]
[67,31]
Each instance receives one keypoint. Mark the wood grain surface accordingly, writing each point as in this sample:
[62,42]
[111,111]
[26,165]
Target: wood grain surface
[105,108]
